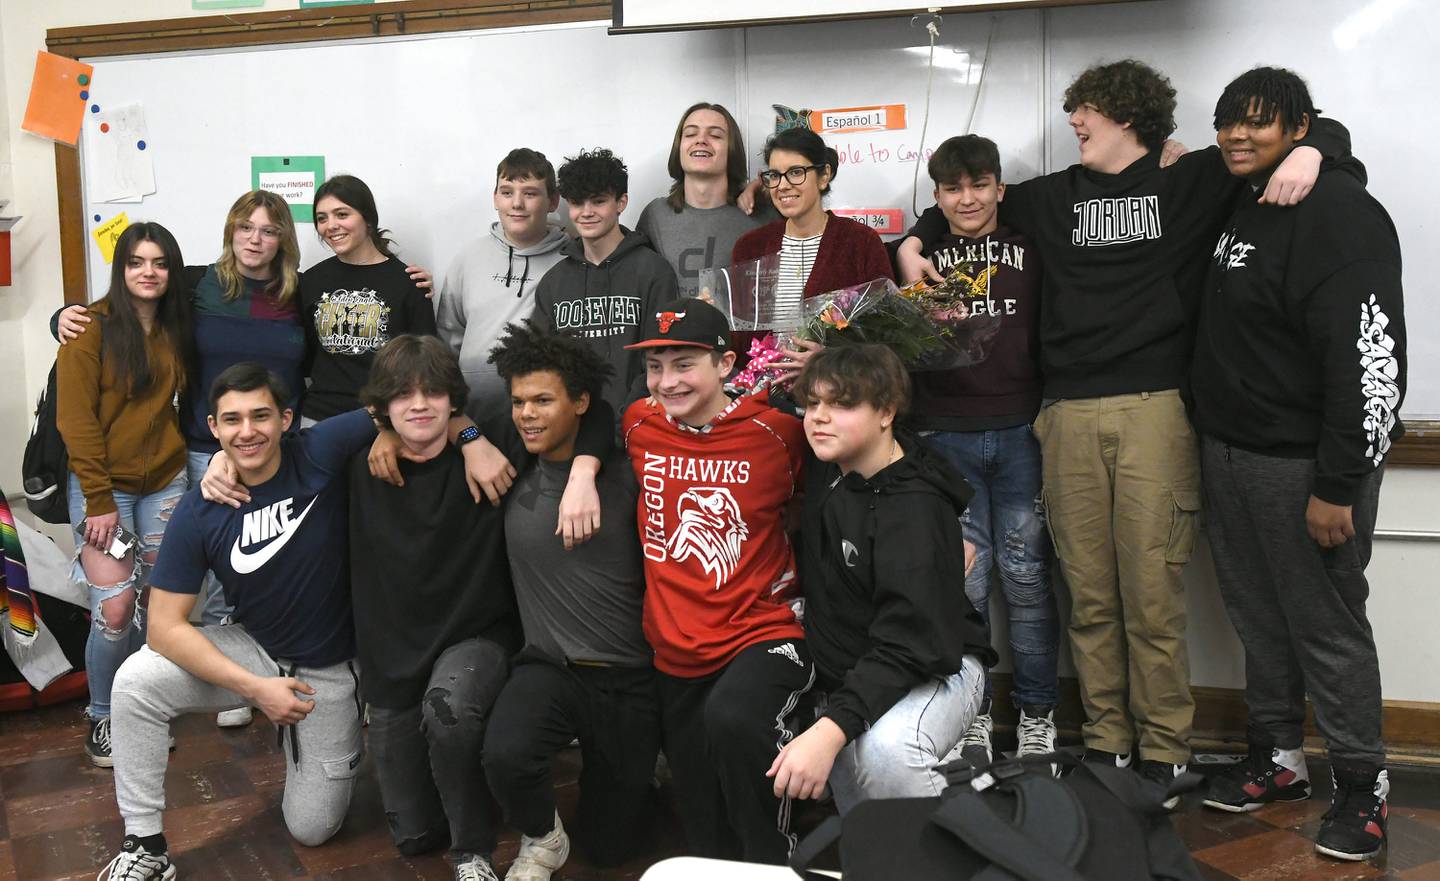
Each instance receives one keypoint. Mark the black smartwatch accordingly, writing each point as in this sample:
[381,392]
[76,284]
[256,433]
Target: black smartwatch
[466,435]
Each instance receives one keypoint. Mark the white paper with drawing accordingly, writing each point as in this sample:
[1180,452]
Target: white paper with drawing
[119,167]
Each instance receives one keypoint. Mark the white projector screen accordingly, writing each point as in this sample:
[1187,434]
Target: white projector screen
[662,15]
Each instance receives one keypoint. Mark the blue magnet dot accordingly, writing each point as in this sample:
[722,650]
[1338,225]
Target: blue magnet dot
[94,108]
[85,95]
[97,218]
[141,145]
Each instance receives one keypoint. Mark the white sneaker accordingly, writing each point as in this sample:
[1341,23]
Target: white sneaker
[135,863]
[475,868]
[540,857]
[236,718]
[1036,731]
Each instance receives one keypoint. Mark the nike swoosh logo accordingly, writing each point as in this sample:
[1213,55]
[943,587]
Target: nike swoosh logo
[244,563]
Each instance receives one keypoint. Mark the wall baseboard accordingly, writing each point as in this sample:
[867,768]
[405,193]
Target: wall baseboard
[1412,728]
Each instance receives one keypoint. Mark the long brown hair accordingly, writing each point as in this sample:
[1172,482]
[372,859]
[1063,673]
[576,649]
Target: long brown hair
[736,173]
[123,335]
[284,269]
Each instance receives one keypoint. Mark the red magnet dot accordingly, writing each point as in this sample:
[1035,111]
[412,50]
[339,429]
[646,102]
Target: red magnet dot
[104,126]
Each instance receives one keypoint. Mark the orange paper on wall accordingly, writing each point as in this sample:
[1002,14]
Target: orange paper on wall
[56,107]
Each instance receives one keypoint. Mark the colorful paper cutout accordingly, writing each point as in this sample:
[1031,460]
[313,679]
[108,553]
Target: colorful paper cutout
[55,107]
[108,233]
[292,178]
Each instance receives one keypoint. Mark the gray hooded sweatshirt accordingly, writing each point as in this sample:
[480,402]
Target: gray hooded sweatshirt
[490,284]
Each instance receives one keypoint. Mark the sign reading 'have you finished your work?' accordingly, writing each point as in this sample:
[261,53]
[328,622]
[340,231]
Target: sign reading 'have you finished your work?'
[293,178]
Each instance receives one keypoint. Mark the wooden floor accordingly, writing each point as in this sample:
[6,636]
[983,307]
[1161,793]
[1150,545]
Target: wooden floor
[59,819]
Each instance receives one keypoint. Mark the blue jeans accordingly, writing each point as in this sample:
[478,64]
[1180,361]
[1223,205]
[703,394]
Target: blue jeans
[1003,467]
[214,609]
[107,647]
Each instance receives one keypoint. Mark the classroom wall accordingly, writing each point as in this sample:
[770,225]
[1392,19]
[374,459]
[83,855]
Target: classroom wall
[1403,606]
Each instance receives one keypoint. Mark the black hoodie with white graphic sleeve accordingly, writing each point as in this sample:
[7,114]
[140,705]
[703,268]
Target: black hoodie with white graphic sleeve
[1301,349]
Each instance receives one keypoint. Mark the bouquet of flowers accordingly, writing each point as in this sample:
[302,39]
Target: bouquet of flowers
[966,335]
[873,312]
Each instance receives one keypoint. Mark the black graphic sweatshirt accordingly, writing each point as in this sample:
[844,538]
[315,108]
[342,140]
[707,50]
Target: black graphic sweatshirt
[1124,259]
[349,311]
[882,570]
[606,305]
[1003,272]
[1301,345]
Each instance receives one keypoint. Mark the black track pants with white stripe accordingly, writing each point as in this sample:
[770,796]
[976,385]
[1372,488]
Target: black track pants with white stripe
[721,734]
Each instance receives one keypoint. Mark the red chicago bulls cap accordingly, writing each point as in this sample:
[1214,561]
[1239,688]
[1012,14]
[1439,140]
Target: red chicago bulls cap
[686,322]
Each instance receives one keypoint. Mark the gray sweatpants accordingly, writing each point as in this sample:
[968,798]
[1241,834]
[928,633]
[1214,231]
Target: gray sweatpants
[322,752]
[1299,608]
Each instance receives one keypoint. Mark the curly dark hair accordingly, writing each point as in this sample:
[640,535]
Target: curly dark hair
[526,348]
[1276,91]
[1128,91]
[411,361]
[593,173]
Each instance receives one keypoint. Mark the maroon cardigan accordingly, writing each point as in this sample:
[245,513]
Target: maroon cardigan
[850,253]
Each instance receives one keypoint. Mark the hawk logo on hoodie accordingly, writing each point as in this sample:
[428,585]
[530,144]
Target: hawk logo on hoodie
[711,530]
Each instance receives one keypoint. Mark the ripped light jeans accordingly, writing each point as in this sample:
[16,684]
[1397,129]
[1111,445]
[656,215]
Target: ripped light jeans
[1005,523]
[108,647]
[429,756]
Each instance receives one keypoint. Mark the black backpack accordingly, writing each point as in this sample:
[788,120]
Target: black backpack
[45,470]
[1013,821]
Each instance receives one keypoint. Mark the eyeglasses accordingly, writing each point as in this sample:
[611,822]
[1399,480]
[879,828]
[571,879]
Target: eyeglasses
[795,175]
[247,229]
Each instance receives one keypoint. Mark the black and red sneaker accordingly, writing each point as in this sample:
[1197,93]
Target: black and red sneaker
[1256,782]
[1354,827]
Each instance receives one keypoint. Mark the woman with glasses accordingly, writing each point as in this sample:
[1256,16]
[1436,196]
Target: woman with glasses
[819,252]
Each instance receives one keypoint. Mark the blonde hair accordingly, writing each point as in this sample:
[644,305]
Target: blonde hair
[284,269]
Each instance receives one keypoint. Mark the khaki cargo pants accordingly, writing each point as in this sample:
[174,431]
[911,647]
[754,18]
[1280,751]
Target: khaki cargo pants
[1122,496]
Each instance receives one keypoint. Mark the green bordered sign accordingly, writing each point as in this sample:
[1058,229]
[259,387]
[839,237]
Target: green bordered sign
[292,178]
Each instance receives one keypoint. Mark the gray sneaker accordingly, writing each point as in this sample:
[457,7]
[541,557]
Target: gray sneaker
[1036,731]
[975,745]
[540,857]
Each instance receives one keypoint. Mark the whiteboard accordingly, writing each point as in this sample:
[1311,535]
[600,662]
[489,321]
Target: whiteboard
[422,120]
[427,118]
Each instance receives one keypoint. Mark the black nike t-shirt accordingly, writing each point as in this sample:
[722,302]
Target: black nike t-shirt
[283,558]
